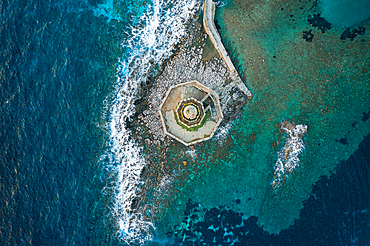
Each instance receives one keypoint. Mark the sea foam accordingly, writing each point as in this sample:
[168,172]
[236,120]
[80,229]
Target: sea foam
[149,42]
[288,159]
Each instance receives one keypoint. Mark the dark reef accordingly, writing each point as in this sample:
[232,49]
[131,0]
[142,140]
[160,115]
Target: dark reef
[351,34]
[365,116]
[317,21]
[308,36]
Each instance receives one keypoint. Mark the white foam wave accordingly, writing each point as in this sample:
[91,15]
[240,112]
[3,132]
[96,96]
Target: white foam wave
[192,153]
[151,41]
[288,159]
[222,132]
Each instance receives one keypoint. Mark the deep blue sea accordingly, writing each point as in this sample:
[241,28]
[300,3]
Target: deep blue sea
[58,63]
[69,73]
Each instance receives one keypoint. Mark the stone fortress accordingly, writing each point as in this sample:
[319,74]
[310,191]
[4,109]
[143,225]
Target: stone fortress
[191,112]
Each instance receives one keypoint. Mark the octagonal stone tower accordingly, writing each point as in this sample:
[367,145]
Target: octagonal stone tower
[190,112]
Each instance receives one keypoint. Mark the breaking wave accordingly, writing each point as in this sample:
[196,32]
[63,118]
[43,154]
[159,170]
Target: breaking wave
[288,159]
[149,42]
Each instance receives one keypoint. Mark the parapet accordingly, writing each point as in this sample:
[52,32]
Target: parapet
[209,26]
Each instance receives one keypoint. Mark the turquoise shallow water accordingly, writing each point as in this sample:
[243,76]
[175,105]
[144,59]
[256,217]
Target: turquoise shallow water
[345,13]
[301,69]
[336,213]
[58,74]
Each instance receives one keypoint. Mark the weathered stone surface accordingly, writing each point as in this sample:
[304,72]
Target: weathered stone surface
[205,111]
